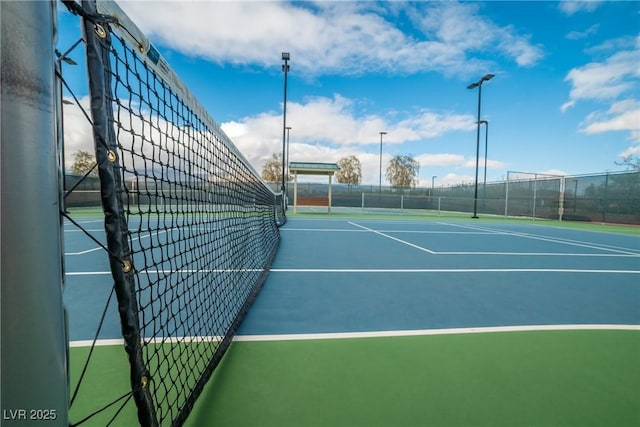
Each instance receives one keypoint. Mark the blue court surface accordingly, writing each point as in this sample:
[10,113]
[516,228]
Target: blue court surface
[358,278]
[366,275]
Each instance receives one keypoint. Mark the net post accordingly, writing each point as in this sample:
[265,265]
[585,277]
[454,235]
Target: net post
[34,340]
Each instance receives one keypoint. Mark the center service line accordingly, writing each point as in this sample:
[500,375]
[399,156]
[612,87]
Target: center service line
[393,238]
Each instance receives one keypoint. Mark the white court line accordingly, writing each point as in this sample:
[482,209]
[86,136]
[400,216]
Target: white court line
[88,343]
[424,332]
[618,253]
[84,252]
[133,240]
[156,340]
[548,239]
[346,230]
[147,236]
[549,254]
[84,221]
[330,230]
[189,271]
[376,270]
[450,270]
[393,238]
[376,334]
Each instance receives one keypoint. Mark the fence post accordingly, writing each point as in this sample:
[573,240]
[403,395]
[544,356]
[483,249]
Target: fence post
[535,194]
[604,198]
[506,196]
[561,200]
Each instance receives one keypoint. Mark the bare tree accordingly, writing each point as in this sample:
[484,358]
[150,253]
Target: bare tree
[631,162]
[272,169]
[83,163]
[402,171]
[350,171]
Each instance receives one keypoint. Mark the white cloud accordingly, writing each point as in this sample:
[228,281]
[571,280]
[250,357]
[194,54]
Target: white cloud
[633,150]
[335,121]
[260,136]
[333,37]
[151,145]
[621,116]
[491,164]
[440,159]
[569,7]
[331,128]
[453,179]
[78,135]
[612,82]
[605,80]
[554,172]
[577,35]
[567,105]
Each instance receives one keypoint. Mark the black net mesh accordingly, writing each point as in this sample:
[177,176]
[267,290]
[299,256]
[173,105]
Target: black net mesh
[199,228]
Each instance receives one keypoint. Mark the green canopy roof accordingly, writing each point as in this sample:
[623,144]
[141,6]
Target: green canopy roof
[309,168]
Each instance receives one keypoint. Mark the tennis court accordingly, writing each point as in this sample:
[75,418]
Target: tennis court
[405,322]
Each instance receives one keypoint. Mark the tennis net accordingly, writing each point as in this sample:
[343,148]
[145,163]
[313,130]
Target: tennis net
[191,227]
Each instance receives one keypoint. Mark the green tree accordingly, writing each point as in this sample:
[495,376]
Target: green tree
[402,171]
[350,171]
[272,169]
[83,163]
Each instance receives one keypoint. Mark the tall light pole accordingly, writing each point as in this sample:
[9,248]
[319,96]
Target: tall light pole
[478,85]
[288,128]
[380,182]
[486,138]
[433,181]
[285,68]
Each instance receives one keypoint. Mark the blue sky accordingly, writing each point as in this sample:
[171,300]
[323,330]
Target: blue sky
[565,98]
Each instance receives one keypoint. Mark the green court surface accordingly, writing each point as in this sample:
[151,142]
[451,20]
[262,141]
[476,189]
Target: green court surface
[541,378]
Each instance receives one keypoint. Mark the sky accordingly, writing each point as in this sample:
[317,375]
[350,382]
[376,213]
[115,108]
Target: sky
[565,98]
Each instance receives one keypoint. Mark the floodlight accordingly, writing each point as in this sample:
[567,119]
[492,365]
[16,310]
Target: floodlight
[488,77]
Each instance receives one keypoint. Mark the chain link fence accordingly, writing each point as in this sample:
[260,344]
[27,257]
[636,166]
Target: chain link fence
[606,197]
[612,197]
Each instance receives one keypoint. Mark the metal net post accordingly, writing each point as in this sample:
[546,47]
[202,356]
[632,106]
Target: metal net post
[34,342]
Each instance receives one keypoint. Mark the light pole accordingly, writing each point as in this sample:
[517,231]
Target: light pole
[486,139]
[380,182]
[285,68]
[288,128]
[478,85]
[433,180]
